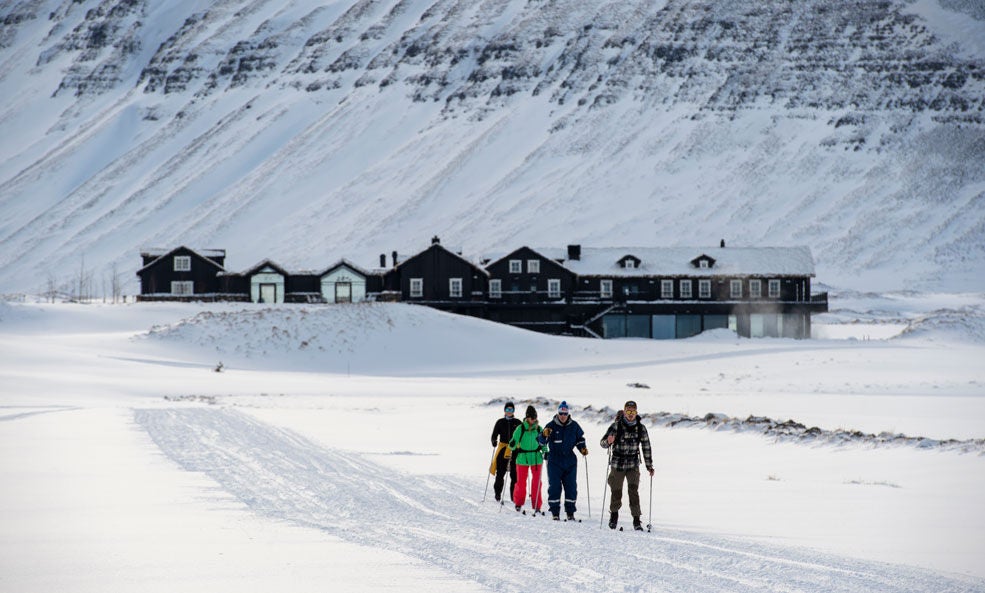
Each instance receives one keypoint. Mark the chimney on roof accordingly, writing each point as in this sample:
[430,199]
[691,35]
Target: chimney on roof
[435,240]
[574,252]
[722,244]
[382,260]
[394,255]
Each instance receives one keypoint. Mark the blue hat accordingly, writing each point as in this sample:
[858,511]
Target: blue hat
[563,407]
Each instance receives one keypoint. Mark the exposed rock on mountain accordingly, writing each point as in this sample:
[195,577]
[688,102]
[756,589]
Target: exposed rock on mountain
[306,131]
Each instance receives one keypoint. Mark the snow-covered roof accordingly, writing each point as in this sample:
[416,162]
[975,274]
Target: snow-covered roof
[677,261]
[401,260]
[266,263]
[159,252]
[346,263]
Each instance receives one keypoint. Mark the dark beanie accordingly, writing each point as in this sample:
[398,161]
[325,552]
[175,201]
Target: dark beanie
[531,413]
[509,406]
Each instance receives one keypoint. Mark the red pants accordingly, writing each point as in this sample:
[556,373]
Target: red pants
[520,490]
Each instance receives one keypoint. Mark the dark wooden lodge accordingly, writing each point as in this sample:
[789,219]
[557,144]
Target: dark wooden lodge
[657,293]
[182,274]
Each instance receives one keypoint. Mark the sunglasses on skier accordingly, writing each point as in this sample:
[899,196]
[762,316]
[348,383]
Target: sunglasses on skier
[562,413]
[509,409]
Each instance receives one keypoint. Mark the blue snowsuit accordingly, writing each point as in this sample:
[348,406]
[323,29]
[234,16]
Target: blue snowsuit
[562,463]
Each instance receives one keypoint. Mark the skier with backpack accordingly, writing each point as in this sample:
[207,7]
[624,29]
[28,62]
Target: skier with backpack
[529,456]
[625,437]
[503,457]
[562,436]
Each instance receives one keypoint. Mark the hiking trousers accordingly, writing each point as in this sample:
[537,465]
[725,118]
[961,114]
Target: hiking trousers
[562,478]
[520,490]
[502,463]
[632,479]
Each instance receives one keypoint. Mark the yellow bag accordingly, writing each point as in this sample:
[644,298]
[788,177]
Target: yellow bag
[492,465]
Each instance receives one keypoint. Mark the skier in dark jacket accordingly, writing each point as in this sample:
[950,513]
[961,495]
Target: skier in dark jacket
[501,434]
[562,435]
[626,437]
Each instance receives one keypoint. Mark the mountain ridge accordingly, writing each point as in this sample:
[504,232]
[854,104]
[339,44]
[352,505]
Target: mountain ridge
[305,132]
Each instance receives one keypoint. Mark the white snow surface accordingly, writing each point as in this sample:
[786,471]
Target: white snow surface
[345,448]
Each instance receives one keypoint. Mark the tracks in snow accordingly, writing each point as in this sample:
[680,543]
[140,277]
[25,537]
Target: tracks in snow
[279,474]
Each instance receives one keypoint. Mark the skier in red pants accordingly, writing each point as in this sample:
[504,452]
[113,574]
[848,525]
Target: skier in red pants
[529,455]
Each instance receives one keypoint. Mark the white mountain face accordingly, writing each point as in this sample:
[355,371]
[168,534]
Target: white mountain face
[307,131]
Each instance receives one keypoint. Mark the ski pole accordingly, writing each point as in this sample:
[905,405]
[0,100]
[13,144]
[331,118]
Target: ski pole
[588,489]
[649,525]
[608,470]
[492,460]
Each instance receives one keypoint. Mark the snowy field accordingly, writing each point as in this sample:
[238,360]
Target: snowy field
[344,448]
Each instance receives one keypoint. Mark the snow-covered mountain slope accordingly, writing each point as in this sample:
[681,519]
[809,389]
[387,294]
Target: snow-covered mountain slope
[307,131]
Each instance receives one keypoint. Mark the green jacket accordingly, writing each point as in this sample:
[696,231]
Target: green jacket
[526,449]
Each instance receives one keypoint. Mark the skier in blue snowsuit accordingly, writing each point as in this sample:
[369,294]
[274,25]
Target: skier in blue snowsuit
[562,435]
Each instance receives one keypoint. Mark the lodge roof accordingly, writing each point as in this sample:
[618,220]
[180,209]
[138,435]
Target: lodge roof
[159,254]
[682,261]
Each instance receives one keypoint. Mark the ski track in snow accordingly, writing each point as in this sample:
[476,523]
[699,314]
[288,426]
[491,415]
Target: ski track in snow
[438,519]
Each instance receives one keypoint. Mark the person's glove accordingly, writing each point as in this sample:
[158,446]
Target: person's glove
[650,469]
[547,432]
[584,450]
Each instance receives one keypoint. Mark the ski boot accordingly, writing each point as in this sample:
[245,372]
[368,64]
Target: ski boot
[637,524]
[613,520]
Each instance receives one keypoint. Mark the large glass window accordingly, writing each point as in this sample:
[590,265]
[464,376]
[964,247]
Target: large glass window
[614,326]
[533,266]
[182,263]
[606,289]
[704,289]
[663,327]
[792,326]
[757,325]
[685,289]
[495,289]
[637,326]
[554,288]
[666,289]
[516,266]
[455,287]
[416,287]
[774,288]
[755,289]
[626,326]
[772,325]
[715,322]
[735,289]
[688,325]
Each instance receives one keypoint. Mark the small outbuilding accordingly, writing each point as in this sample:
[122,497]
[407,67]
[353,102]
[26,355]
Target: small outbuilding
[344,282]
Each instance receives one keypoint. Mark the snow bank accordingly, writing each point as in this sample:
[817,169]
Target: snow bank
[368,338]
[950,325]
[780,431]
